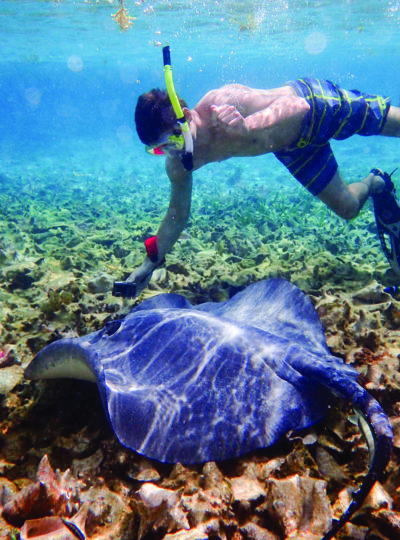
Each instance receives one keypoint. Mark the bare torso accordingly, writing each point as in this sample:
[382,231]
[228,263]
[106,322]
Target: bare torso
[236,120]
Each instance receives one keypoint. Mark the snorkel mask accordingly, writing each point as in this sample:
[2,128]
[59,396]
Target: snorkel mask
[179,142]
[161,148]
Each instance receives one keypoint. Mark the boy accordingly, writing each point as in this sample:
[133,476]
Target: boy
[295,122]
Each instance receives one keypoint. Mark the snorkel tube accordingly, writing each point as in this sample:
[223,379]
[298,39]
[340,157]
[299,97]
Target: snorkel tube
[187,157]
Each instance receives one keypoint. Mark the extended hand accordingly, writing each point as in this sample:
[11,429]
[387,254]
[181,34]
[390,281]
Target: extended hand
[229,118]
[141,276]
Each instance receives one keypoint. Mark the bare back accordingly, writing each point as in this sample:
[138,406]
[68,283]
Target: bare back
[237,120]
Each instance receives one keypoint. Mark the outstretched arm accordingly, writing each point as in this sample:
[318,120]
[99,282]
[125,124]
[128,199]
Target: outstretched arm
[173,223]
[179,207]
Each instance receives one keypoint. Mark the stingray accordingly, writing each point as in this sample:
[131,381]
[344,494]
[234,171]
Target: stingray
[190,384]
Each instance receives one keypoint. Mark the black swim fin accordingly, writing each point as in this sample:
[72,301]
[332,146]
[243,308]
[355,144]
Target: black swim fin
[387,217]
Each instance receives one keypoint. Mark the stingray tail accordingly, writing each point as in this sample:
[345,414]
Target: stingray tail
[375,426]
[373,422]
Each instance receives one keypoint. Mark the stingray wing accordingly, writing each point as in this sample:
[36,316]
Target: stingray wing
[187,385]
[279,307]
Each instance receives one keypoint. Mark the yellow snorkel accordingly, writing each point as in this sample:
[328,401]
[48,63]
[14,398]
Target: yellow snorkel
[187,156]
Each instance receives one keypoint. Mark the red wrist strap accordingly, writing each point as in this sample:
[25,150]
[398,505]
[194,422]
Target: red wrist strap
[151,248]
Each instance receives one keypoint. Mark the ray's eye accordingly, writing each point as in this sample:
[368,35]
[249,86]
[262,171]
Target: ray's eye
[111,327]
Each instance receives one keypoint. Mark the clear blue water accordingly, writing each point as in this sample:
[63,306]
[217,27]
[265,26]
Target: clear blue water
[69,78]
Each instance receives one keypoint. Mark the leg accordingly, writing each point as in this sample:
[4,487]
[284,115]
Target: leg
[347,200]
[392,124]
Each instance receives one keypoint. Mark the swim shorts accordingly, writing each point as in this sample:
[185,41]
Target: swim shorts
[334,113]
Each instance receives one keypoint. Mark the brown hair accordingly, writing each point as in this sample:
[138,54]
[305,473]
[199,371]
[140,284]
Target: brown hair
[154,115]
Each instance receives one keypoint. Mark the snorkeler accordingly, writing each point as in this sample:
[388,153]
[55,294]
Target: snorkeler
[295,122]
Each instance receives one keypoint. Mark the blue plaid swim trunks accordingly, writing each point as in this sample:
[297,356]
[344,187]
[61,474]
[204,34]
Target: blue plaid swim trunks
[334,113]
